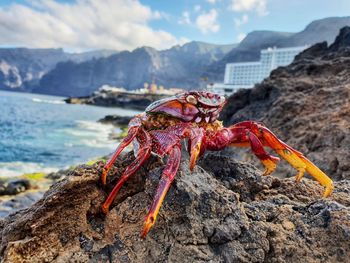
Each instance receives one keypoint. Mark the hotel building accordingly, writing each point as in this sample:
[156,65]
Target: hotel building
[247,74]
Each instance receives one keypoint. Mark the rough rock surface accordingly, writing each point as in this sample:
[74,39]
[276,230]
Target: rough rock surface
[307,105]
[224,212]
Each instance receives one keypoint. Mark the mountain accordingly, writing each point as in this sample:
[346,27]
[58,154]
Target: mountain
[52,71]
[179,66]
[249,49]
[21,68]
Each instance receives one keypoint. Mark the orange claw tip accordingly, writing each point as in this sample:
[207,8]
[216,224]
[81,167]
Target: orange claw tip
[193,160]
[328,191]
[144,233]
[192,165]
[105,209]
[147,226]
[104,177]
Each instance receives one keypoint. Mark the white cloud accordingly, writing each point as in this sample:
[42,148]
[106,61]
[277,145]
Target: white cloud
[211,1]
[258,6]
[241,21]
[83,24]
[197,8]
[241,36]
[185,18]
[207,22]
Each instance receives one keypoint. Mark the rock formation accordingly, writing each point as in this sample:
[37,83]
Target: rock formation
[307,104]
[224,212]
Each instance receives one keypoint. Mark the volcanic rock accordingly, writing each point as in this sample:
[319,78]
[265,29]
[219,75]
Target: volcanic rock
[306,104]
[116,120]
[13,187]
[225,212]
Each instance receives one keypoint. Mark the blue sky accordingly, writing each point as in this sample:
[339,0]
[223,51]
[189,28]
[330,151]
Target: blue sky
[126,24]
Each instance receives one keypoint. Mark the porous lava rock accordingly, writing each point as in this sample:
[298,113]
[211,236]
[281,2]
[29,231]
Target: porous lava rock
[224,211]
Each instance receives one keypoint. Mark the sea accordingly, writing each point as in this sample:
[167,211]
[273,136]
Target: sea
[44,134]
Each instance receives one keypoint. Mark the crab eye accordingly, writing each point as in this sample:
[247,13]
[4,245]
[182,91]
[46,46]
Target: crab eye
[191,99]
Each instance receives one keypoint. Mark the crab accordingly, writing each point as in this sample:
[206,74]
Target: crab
[193,116]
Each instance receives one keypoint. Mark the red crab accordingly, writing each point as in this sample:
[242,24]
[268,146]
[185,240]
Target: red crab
[193,116]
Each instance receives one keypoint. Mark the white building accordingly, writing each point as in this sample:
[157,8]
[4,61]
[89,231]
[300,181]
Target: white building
[247,74]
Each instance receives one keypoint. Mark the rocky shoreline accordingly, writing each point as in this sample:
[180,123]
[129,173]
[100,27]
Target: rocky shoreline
[105,98]
[22,192]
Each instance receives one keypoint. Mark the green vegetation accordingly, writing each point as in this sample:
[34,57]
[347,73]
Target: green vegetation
[34,176]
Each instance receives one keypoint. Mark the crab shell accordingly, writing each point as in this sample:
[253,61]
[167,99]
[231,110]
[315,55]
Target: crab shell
[193,106]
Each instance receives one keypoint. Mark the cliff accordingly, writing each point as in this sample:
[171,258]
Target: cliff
[22,68]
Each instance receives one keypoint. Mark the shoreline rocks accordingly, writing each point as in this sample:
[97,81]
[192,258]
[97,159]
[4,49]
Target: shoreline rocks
[15,186]
[105,98]
[116,120]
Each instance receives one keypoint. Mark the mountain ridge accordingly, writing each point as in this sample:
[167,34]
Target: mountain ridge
[189,66]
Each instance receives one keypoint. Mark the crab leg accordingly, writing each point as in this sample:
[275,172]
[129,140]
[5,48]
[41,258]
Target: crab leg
[297,160]
[194,145]
[269,161]
[255,135]
[167,178]
[132,132]
[238,136]
[141,157]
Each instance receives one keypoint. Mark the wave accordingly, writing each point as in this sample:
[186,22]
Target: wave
[48,101]
[91,134]
[14,169]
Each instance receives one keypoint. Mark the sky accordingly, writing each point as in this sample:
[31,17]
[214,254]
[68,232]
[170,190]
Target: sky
[82,25]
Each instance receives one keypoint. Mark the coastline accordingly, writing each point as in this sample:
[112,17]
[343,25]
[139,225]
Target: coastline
[127,100]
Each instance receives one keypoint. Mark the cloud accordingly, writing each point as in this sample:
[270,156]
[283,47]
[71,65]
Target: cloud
[241,21]
[185,18]
[211,1]
[82,25]
[207,22]
[197,8]
[259,6]
[241,36]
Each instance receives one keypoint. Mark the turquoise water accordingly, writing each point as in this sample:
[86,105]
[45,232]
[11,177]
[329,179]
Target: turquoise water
[42,133]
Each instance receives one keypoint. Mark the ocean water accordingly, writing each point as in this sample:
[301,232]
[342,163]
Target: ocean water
[43,134]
